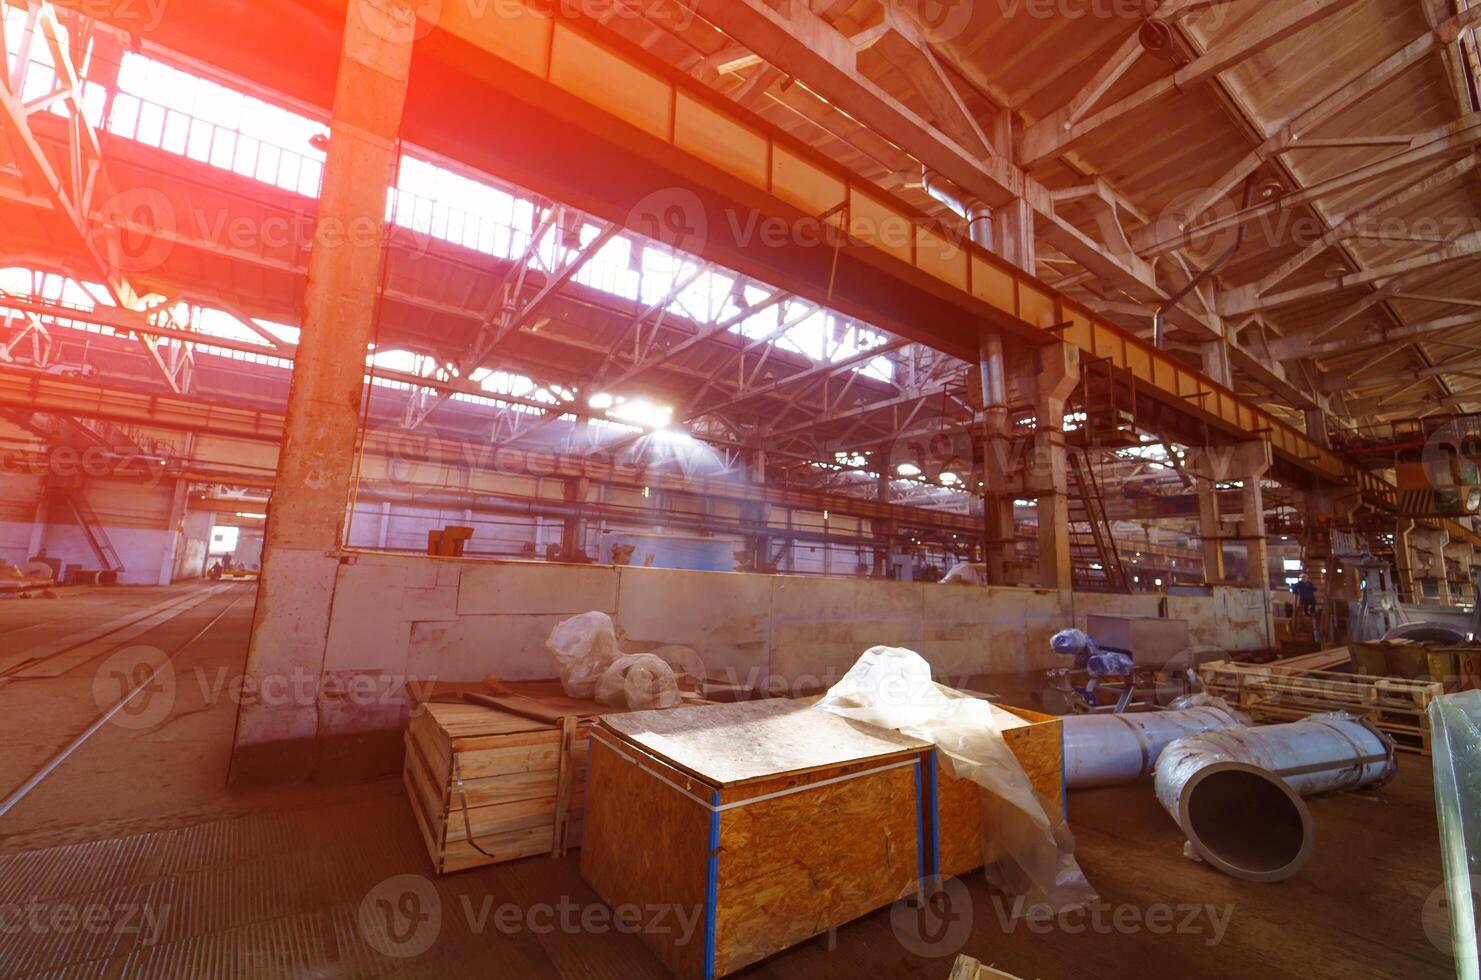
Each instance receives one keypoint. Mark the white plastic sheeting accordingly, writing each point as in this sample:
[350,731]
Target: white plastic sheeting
[584,647]
[892,688]
[1456,723]
[639,682]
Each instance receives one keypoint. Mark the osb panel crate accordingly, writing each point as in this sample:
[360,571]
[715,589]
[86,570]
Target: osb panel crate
[774,820]
[1038,743]
[515,783]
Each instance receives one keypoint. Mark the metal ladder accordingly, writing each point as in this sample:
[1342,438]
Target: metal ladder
[1091,540]
[92,529]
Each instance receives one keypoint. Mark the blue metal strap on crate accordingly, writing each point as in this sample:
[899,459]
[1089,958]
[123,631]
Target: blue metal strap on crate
[933,793]
[920,821]
[712,887]
[1064,777]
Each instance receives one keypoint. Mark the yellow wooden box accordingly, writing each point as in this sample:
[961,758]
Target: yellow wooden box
[769,822]
[961,826]
[488,786]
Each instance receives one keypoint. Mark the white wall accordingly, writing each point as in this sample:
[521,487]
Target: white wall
[413,617]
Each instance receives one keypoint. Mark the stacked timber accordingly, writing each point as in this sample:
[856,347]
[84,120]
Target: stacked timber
[1276,693]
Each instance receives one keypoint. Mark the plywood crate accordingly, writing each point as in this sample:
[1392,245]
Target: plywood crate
[516,783]
[962,827]
[772,821]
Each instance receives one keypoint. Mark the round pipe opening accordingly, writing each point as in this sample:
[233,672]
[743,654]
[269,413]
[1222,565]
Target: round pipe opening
[1247,822]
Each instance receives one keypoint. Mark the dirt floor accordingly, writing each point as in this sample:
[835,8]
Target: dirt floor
[132,860]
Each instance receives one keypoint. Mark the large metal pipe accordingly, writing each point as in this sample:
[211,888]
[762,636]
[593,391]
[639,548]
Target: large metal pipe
[1237,794]
[994,379]
[977,214]
[1110,750]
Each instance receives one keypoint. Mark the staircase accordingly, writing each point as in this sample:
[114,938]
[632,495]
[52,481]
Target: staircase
[82,435]
[92,529]
[1093,555]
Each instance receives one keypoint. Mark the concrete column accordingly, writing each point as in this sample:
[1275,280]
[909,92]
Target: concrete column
[1245,463]
[172,535]
[1316,427]
[1000,470]
[1404,577]
[280,738]
[1254,463]
[1058,374]
[1215,357]
[1248,463]
[883,529]
[1211,530]
[1013,234]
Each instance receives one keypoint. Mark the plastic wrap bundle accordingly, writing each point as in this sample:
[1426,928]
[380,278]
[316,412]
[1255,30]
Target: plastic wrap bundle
[583,647]
[1455,721]
[1109,750]
[967,573]
[1237,793]
[1089,656]
[686,664]
[640,682]
[892,688]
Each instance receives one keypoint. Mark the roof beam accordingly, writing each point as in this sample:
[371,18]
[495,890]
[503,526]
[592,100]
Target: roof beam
[1409,333]
[1054,134]
[1247,300]
[1457,137]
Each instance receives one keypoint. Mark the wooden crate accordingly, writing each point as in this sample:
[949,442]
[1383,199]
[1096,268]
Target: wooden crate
[773,821]
[517,784]
[1273,693]
[1038,743]
[523,780]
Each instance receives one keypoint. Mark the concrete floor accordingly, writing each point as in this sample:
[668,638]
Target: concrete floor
[131,860]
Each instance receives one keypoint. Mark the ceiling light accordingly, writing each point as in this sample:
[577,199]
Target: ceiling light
[908,469]
[602,402]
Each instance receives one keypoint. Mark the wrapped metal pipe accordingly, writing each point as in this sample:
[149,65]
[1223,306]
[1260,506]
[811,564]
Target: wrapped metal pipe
[1237,794]
[1110,750]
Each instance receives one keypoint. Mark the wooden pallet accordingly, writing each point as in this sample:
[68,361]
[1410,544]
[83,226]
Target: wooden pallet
[1283,693]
